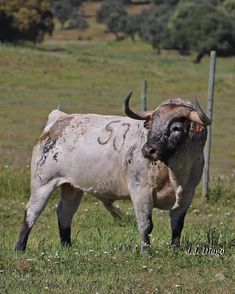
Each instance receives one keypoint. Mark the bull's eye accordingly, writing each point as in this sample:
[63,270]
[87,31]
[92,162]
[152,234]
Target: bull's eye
[176,128]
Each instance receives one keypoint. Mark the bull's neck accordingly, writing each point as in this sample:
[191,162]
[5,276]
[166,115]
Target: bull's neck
[179,170]
[181,163]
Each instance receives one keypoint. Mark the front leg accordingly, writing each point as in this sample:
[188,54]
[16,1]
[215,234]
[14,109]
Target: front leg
[145,227]
[143,208]
[177,223]
[177,215]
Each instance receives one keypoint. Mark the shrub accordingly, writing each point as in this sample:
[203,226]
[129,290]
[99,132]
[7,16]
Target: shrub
[202,28]
[25,20]
[154,28]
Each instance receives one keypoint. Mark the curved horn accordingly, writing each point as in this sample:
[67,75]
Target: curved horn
[144,115]
[203,117]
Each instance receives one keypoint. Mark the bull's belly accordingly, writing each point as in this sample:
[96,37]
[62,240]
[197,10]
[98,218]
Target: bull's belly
[102,192]
[165,198]
[103,184]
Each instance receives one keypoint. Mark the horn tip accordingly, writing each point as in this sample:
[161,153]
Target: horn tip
[195,97]
[129,95]
[126,101]
[202,115]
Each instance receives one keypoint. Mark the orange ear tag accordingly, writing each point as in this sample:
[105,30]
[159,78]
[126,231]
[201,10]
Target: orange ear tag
[197,128]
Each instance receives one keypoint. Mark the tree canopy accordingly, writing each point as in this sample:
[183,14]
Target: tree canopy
[202,28]
[229,6]
[25,20]
[154,28]
[183,25]
[69,11]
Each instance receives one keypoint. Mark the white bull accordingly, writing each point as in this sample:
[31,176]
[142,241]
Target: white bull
[155,158]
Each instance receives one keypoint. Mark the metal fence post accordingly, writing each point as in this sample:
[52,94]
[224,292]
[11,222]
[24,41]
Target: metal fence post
[144,95]
[206,171]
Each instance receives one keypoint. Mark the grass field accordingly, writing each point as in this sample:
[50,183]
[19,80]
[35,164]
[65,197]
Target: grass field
[95,77]
[105,254]
[90,77]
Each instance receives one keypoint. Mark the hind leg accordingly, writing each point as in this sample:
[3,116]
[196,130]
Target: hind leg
[113,209]
[68,205]
[37,202]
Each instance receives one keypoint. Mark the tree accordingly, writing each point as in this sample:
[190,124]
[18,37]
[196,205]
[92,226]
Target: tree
[202,2]
[113,14]
[187,25]
[78,20]
[116,24]
[131,25]
[154,29]
[67,10]
[108,7]
[229,6]
[25,20]
[202,28]
[166,2]
[62,10]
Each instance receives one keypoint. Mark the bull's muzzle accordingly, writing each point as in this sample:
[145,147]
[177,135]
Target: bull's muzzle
[150,152]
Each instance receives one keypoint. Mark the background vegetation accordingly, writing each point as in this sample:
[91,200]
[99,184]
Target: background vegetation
[94,75]
[183,25]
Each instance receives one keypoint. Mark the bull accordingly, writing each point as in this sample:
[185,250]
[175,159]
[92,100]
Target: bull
[154,157]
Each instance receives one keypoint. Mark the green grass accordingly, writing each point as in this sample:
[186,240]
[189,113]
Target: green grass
[105,254]
[95,77]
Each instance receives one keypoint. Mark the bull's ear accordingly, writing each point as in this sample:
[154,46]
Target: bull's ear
[197,127]
[197,124]
[148,123]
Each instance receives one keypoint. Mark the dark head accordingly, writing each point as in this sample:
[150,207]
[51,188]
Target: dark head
[173,124]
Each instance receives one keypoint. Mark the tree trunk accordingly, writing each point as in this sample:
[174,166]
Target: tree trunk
[133,38]
[116,36]
[141,2]
[199,57]
[62,25]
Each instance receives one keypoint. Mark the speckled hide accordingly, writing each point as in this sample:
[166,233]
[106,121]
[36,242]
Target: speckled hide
[115,157]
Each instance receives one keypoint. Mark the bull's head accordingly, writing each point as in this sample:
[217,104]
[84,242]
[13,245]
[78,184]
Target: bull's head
[171,125]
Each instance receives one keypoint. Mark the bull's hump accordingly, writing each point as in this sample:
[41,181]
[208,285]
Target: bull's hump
[52,118]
